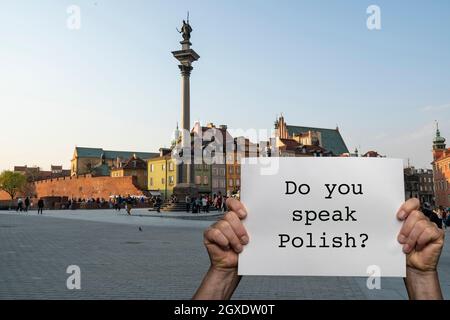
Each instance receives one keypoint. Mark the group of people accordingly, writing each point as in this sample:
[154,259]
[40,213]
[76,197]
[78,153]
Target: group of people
[117,202]
[203,203]
[24,205]
[439,215]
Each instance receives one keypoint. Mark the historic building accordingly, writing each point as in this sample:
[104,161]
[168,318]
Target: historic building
[441,170]
[426,186]
[134,167]
[211,176]
[297,141]
[162,174]
[243,148]
[419,184]
[99,162]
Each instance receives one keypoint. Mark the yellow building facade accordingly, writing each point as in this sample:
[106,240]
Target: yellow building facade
[162,175]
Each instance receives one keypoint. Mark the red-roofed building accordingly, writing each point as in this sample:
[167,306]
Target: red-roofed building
[441,171]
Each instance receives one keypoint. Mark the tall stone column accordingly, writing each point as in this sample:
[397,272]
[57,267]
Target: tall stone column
[185,96]
[185,112]
[186,56]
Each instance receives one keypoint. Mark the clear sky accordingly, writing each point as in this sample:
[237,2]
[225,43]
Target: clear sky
[114,83]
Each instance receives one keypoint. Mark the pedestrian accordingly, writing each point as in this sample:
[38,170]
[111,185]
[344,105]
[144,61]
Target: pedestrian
[40,206]
[128,203]
[19,205]
[119,202]
[188,203]
[158,204]
[198,205]
[219,202]
[433,216]
[27,203]
[444,219]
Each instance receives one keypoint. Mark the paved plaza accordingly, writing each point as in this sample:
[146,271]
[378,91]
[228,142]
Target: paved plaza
[166,260]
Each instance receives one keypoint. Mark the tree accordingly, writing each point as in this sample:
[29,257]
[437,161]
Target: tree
[12,182]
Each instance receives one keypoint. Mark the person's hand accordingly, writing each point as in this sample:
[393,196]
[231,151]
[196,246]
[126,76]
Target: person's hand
[422,240]
[422,243]
[226,238]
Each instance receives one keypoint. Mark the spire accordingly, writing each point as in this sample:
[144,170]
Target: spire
[438,141]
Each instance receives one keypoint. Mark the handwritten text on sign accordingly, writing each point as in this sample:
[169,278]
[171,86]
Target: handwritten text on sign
[323,216]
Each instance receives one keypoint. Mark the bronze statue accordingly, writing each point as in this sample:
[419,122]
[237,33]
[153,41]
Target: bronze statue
[186,30]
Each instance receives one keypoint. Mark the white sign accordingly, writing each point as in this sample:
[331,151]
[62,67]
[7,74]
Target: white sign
[323,217]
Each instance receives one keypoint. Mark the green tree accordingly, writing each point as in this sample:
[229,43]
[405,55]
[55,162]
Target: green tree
[12,182]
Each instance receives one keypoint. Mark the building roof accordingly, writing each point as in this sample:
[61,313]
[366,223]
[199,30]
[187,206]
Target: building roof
[290,143]
[372,154]
[331,138]
[134,163]
[83,152]
[101,170]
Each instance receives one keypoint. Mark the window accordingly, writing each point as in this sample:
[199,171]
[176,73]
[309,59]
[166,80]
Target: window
[151,181]
[238,182]
[238,170]
[222,184]
[230,170]
[163,167]
[222,172]
[163,181]
[230,182]
[205,180]
[152,167]
[215,183]
[171,166]
[171,180]
[215,171]
[198,180]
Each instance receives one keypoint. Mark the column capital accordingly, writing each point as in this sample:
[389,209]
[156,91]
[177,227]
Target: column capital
[185,70]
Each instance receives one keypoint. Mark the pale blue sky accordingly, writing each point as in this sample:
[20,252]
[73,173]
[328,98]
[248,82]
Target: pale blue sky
[114,83]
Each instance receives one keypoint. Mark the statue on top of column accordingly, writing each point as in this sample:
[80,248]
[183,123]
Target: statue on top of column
[186,29]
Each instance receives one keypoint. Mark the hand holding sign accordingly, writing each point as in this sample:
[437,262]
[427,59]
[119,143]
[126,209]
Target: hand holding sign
[224,240]
[421,240]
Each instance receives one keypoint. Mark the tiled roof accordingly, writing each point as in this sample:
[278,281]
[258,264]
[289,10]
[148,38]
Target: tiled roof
[97,153]
[135,163]
[101,170]
[290,143]
[331,138]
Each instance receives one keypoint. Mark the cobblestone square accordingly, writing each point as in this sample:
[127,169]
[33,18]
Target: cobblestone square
[166,260]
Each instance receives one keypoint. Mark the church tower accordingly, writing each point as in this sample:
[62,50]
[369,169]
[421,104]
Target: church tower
[281,128]
[438,144]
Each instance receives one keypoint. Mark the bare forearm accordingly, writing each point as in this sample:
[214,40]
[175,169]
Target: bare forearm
[217,285]
[423,285]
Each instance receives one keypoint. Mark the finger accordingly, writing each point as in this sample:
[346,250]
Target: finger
[237,226]
[408,225]
[226,229]
[407,207]
[429,235]
[236,206]
[417,230]
[215,236]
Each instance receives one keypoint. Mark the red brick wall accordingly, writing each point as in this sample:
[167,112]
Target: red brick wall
[4,195]
[86,187]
